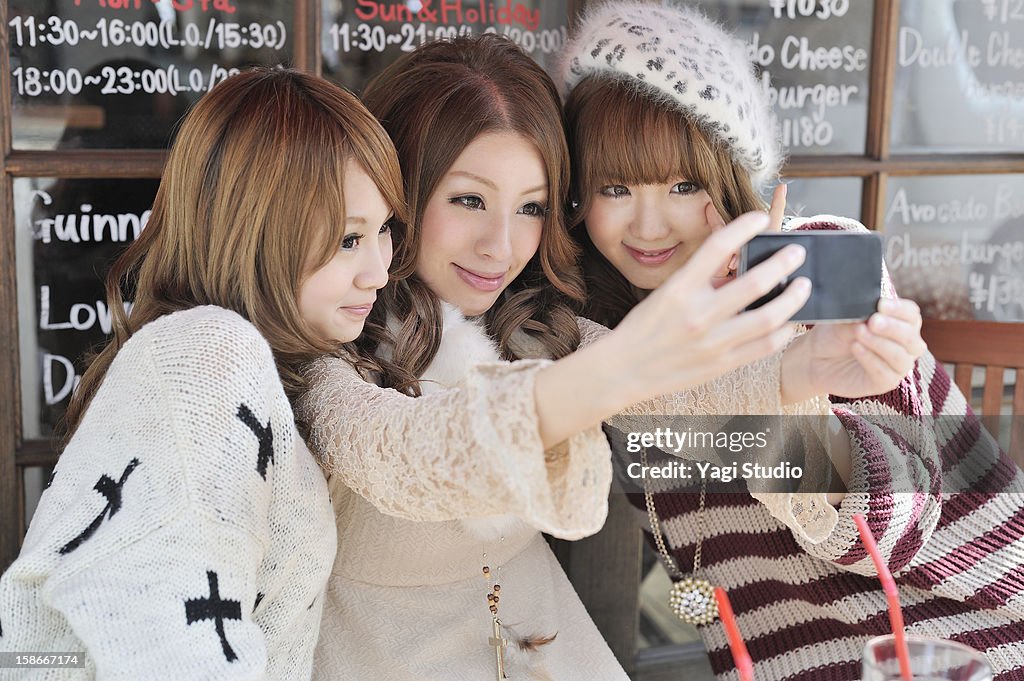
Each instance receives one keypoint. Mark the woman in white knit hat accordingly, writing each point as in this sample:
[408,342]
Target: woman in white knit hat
[671,135]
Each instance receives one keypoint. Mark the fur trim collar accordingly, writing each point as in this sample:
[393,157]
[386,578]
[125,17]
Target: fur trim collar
[464,344]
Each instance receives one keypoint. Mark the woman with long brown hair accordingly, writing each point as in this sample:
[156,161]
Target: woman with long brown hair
[187,532]
[671,134]
[450,578]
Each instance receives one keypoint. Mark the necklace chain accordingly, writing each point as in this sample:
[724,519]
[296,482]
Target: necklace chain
[659,539]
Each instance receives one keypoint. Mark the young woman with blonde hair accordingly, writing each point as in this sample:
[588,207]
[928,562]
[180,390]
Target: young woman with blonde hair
[671,135]
[187,532]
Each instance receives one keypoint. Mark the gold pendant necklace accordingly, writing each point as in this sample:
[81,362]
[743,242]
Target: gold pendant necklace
[692,598]
[496,640]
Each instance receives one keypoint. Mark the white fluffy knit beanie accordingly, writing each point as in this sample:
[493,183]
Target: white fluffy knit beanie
[679,57]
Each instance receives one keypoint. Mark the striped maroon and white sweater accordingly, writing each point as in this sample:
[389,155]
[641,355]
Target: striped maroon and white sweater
[807,610]
[957,553]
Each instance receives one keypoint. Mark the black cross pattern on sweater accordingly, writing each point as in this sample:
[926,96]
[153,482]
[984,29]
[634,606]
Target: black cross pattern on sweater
[112,491]
[213,608]
[265,436]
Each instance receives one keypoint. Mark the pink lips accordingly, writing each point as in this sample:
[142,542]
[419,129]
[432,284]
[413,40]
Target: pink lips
[645,257]
[359,310]
[481,281]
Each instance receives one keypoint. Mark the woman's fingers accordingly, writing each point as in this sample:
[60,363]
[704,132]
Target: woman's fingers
[761,280]
[748,326]
[905,333]
[874,365]
[761,346]
[715,252]
[778,208]
[895,355]
[901,308]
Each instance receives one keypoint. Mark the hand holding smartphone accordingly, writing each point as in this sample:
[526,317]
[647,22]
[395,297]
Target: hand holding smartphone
[845,270]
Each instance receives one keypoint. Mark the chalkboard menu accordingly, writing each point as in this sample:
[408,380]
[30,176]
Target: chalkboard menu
[120,73]
[814,57]
[959,77]
[360,38]
[68,231]
[955,244]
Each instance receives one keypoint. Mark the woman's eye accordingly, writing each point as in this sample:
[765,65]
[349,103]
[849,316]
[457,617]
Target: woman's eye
[350,241]
[470,202]
[615,190]
[387,227]
[533,210]
[685,188]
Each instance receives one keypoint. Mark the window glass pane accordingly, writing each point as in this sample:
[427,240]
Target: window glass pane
[959,77]
[956,244]
[120,73]
[360,38]
[35,479]
[817,56]
[808,196]
[67,234]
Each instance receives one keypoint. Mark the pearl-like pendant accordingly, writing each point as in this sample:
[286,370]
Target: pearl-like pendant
[693,600]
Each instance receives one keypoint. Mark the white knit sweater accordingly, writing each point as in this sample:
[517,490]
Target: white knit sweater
[187,531]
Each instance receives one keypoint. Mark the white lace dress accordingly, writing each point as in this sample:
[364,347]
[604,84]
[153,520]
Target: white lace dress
[424,487]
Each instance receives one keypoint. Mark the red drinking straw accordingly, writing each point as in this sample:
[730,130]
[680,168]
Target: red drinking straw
[891,595]
[740,656]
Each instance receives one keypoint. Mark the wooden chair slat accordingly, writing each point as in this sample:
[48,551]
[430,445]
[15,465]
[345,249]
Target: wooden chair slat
[992,397]
[962,377]
[1017,422]
[995,346]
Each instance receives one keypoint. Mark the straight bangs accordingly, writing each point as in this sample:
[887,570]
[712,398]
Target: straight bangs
[619,134]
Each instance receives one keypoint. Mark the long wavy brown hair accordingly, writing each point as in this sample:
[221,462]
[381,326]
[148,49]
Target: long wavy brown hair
[251,201]
[434,102]
[619,135]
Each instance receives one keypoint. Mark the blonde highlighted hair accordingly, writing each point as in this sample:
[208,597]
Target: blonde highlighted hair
[250,201]
[618,134]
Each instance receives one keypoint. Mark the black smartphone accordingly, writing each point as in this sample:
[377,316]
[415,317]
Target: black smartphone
[845,270]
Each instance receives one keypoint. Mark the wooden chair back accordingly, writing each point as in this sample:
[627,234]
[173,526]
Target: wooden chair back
[996,347]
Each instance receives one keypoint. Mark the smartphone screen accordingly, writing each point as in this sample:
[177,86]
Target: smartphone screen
[845,270]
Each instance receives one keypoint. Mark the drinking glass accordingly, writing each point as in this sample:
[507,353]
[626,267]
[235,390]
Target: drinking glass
[931,659]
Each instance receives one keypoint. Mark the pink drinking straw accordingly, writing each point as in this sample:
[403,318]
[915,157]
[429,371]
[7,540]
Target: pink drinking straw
[891,595]
[740,656]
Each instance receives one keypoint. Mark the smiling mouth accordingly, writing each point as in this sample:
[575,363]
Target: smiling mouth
[651,257]
[481,281]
